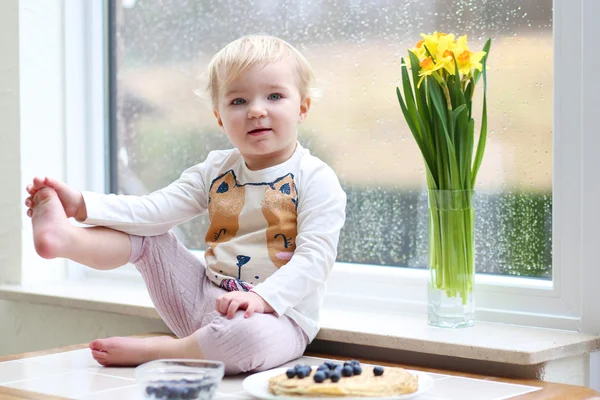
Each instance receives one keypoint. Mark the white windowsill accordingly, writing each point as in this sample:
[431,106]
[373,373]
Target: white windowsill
[486,341]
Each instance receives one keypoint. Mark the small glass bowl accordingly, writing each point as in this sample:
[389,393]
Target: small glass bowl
[179,379]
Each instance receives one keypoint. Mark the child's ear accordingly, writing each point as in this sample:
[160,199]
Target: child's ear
[304,107]
[218,116]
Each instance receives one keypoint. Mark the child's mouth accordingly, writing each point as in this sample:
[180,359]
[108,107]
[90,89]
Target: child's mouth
[259,131]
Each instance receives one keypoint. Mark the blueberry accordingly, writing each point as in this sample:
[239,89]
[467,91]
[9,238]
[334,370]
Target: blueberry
[347,371]
[161,392]
[355,362]
[335,377]
[185,393]
[322,367]
[357,369]
[378,371]
[172,393]
[290,373]
[192,393]
[327,373]
[330,364]
[150,390]
[301,374]
[298,367]
[319,376]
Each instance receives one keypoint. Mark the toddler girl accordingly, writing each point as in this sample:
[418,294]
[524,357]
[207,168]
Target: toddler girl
[275,216]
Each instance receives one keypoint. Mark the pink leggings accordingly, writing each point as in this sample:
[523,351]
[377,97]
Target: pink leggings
[185,299]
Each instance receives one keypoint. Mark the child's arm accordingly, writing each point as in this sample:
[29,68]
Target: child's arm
[152,214]
[321,216]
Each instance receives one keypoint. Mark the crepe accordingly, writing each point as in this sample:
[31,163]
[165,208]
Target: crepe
[394,381]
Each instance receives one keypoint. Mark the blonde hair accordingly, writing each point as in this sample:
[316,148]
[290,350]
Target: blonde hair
[248,51]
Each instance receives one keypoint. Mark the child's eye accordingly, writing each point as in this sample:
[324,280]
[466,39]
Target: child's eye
[238,101]
[275,96]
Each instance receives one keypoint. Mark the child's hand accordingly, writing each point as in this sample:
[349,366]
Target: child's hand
[229,303]
[72,200]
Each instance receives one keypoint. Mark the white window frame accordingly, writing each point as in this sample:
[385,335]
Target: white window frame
[85,102]
[559,303]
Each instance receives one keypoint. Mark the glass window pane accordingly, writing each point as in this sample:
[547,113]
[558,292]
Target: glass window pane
[356,126]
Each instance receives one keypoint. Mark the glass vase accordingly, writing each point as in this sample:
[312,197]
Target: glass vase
[451,218]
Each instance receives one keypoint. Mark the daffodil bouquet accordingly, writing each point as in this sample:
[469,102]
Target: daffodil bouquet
[437,107]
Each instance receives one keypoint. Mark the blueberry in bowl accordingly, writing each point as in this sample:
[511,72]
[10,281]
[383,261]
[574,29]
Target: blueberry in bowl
[179,379]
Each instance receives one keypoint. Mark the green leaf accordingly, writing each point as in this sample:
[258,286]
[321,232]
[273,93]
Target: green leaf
[446,151]
[421,98]
[413,111]
[413,128]
[457,111]
[469,95]
[483,132]
[438,102]
[458,95]
[486,48]
[459,119]
[468,150]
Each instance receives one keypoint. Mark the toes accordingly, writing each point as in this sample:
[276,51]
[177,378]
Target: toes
[98,345]
[38,182]
[99,354]
[43,195]
[101,357]
[54,183]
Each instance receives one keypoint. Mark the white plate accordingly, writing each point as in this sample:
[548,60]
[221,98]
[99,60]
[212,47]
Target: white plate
[257,385]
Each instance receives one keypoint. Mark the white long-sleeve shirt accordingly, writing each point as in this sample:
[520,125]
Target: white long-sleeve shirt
[273,231]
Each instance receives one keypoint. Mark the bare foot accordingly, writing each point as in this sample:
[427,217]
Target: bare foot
[51,228]
[121,351]
[72,200]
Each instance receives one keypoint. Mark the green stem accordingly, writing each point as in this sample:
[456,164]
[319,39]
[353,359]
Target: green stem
[451,251]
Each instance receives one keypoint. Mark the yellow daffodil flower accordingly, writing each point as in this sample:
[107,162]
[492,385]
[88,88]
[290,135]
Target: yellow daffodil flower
[419,50]
[437,52]
[428,67]
[444,54]
[468,60]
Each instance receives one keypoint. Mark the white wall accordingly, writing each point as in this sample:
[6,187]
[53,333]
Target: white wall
[10,161]
[28,327]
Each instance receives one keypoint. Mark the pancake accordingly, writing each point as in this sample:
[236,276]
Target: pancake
[394,381]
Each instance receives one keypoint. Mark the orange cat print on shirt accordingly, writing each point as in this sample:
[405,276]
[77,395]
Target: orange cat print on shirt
[224,214]
[279,208]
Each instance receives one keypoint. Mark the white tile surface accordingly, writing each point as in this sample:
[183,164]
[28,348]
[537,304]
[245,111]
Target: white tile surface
[233,396]
[125,393]
[76,375]
[125,373]
[12,371]
[231,384]
[73,360]
[72,385]
[456,388]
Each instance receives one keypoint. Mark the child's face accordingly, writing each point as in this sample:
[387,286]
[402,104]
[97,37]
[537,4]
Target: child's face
[260,112]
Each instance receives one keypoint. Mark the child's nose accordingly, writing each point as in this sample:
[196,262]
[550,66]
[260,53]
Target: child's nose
[257,110]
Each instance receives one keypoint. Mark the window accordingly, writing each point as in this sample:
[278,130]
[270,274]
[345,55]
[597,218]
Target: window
[159,127]
[357,126]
